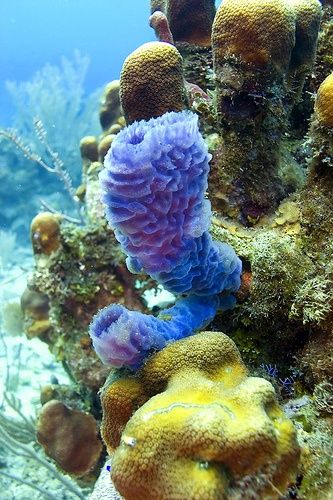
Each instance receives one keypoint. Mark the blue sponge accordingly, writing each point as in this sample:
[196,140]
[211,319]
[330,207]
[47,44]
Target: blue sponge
[154,185]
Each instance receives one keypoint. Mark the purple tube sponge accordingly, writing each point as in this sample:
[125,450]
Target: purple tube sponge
[154,185]
[123,338]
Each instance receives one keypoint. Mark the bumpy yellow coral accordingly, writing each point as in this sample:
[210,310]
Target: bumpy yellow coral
[190,20]
[209,431]
[324,102]
[151,82]
[104,146]
[119,400]
[256,31]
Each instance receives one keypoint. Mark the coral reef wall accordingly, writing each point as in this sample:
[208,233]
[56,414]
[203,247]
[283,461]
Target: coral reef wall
[242,414]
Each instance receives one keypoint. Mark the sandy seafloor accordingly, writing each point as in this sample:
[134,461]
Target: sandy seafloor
[26,365]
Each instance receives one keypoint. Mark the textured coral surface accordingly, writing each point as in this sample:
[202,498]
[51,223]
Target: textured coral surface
[271,23]
[324,102]
[151,82]
[207,427]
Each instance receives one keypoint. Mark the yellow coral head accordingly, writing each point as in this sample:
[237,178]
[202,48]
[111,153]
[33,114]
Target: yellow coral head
[258,32]
[151,82]
[324,103]
[208,430]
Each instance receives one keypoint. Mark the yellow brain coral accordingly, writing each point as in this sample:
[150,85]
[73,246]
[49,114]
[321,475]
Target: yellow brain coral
[324,102]
[208,430]
[256,31]
[151,82]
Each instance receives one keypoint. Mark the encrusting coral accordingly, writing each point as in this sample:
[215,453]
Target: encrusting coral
[166,451]
[324,103]
[262,52]
[308,17]
[258,32]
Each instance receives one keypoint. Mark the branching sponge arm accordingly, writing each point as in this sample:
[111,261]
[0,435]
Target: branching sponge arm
[123,338]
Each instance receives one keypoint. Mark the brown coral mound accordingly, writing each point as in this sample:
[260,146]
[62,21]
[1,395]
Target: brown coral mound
[151,82]
[190,20]
[257,32]
[308,16]
[70,437]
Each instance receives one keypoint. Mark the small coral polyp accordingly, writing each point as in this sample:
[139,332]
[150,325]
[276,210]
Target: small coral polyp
[208,430]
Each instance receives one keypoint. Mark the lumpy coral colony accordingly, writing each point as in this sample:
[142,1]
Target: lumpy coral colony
[220,110]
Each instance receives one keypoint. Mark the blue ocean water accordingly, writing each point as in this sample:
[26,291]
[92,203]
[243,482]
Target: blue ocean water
[35,32]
